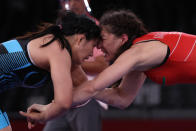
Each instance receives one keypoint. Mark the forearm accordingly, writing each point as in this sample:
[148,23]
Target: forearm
[54,109]
[105,79]
[90,88]
[114,97]
[121,96]
[83,93]
[108,95]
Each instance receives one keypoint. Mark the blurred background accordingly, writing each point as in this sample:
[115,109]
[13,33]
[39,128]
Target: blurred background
[155,108]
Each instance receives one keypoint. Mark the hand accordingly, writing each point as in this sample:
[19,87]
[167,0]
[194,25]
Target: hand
[35,114]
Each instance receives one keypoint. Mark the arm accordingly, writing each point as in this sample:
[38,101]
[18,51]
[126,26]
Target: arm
[78,77]
[59,63]
[60,67]
[96,66]
[140,57]
[123,95]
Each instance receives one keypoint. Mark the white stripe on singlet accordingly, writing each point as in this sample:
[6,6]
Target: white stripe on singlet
[29,54]
[176,44]
[190,52]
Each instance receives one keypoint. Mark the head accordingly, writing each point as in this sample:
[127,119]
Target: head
[81,33]
[118,30]
[77,33]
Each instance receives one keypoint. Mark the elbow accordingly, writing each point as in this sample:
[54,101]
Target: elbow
[124,104]
[119,102]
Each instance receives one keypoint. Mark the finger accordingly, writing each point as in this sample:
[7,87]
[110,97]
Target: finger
[24,114]
[35,108]
[31,116]
[31,108]
[29,125]
[32,125]
[30,119]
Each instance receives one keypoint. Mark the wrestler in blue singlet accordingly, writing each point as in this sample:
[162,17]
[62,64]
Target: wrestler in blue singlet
[17,70]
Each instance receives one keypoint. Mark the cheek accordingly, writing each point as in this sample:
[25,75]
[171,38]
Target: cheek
[108,45]
[89,49]
[105,44]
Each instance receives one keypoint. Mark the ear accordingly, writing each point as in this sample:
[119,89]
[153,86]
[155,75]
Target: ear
[124,38]
[79,38]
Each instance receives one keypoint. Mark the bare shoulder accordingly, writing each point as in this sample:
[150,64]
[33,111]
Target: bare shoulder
[151,54]
[149,45]
[146,55]
[42,56]
[57,56]
[55,50]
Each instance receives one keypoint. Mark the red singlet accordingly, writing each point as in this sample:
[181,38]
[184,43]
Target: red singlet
[180,67]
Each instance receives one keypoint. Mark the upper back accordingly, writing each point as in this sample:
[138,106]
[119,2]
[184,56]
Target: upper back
[17,69]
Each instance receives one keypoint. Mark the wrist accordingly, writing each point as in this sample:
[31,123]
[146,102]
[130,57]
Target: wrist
[53,110]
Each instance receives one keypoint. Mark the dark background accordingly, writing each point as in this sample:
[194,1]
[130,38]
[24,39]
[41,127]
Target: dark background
[20,16]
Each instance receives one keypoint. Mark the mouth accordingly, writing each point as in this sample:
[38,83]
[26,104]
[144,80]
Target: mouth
[106,55]
[105,52]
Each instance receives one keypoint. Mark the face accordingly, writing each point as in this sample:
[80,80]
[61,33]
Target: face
[110,44]
[77,6]
[83,49]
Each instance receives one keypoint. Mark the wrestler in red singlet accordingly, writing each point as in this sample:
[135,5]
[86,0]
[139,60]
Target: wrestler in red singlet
[180,63]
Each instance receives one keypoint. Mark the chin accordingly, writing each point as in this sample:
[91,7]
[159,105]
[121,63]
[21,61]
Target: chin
[108,58]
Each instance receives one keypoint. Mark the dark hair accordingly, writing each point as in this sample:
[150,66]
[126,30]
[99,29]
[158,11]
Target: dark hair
[119,22]
[67,24]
